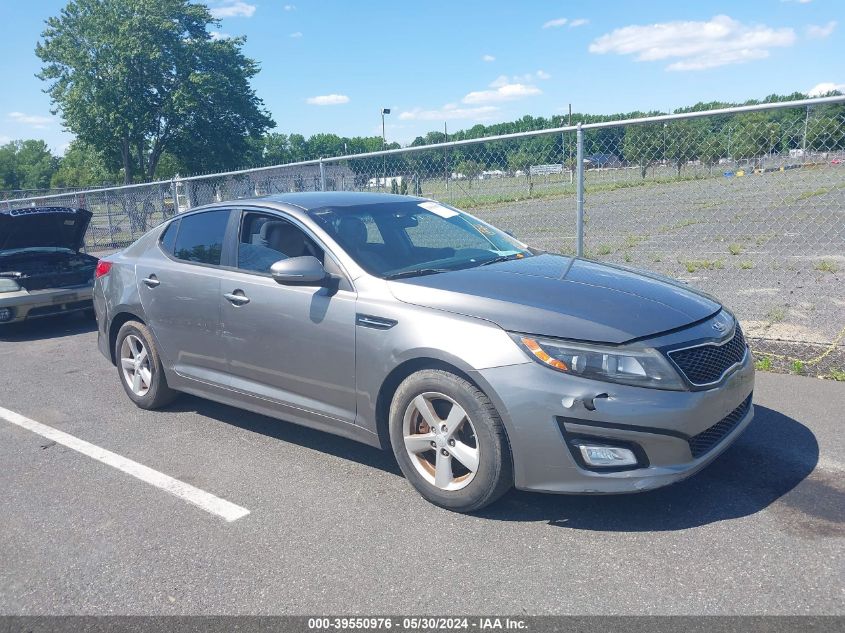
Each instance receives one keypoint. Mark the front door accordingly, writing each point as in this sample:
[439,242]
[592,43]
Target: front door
[292,345]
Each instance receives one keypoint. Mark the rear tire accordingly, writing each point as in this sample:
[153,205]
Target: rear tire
[139,367]
[449,441]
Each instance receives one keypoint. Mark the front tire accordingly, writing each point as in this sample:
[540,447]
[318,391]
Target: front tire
[449,441]
[139,367]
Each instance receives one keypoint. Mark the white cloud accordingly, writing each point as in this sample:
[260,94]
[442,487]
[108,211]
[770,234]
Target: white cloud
[504,92]
[232,9]
[823,88]
[527,78]
[290,7]
[578,22]
[554,24]
[217,35]
[325,100]
[695,45]
[488,58]
[820,32]
[32,120]
[449,112]
[296,35]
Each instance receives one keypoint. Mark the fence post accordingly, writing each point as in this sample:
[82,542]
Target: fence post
[322,175]
[579,195]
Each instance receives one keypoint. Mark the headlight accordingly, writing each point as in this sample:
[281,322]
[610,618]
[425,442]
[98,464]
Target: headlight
[8,285]
[641,367]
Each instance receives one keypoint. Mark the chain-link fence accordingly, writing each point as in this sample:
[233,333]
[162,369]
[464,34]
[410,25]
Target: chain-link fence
[747,203]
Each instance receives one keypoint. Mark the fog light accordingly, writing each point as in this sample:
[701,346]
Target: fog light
[5,314]
[605,456]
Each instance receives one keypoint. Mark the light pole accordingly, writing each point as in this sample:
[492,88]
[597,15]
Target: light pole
[384,111]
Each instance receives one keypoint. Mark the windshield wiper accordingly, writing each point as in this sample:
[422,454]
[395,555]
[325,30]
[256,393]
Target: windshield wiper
[502,258]
[417,272]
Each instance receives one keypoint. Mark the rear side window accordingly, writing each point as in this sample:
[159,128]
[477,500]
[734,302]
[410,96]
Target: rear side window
[200,237]
[168,238]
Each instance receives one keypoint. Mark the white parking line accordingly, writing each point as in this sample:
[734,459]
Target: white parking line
[200,498]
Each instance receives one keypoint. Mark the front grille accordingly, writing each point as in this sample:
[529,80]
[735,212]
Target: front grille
[707,439]
[707,364]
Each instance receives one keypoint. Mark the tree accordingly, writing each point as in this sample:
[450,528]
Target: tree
[469,168]
[754,135]
[138,78]
[82,166]
[643,145]
[26,165]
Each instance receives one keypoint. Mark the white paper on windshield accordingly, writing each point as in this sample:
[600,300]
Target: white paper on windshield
[438,209]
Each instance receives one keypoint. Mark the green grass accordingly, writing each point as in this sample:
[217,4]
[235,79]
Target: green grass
[776,315]
[811,194]
[746,265]
[763,364]
[679,225]
[837,374]
[826,266]
[604,249]
[632,240]
[628,257]
[694,265]
[735,249]
[797,367]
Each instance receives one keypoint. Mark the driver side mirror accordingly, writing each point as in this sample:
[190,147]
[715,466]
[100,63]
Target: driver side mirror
[299,271]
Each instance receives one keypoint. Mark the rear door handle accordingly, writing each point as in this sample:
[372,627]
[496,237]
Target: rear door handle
[237,299]
[151,281]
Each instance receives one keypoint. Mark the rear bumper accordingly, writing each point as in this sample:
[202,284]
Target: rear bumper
[533,402]
[25,304]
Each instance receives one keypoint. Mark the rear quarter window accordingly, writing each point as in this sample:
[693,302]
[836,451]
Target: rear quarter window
[168,237]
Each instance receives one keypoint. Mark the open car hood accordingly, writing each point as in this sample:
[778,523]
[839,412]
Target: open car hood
[562,297]
[56,227]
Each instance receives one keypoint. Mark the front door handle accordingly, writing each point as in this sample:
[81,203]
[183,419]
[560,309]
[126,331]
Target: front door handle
[151,281]
[237,298]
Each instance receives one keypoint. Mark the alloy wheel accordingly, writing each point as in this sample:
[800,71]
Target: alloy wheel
[135,365]
[441,441]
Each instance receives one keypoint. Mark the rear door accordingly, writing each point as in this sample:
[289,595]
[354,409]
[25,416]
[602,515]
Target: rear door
[179,286]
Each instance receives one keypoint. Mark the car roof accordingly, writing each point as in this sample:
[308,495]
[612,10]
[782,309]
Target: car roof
[310,200]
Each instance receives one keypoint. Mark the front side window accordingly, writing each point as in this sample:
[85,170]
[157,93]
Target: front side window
[265,239]
[393,240]
[200,237]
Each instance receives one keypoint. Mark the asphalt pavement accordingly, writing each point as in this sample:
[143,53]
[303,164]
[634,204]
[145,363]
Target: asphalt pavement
[333,527]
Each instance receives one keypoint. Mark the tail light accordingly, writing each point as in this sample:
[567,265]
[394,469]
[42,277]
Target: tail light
[103,268]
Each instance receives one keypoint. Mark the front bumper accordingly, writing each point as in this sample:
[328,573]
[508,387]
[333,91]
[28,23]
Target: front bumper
[34,304]
[542,409]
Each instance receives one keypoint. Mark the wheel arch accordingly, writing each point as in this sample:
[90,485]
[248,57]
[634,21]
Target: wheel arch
[410,366]
[117,322]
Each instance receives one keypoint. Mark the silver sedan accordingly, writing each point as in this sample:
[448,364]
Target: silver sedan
[409,325]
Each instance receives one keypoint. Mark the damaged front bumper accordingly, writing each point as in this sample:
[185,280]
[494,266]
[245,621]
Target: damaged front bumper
[673,433]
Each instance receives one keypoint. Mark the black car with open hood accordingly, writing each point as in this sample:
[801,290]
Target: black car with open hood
[43,227]
[42,271]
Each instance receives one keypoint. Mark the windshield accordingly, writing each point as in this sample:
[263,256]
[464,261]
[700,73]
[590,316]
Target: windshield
[406,239]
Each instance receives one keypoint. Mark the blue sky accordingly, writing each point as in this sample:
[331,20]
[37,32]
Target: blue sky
[330,65]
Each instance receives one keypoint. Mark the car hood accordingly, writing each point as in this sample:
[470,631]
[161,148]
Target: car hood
[564,297]
[52,227]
